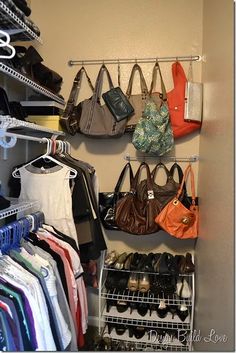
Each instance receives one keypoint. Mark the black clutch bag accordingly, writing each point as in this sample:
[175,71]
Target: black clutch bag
[108,200]
[118,103]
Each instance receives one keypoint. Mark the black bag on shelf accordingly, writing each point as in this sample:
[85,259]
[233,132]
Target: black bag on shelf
[107,200]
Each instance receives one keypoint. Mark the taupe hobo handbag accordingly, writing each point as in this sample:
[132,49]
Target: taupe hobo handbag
[96,119]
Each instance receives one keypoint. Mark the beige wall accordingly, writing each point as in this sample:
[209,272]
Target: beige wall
[120,29]
[215,246]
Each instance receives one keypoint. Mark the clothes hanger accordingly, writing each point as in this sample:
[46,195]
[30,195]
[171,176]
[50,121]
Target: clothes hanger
[6,44]
[46,156]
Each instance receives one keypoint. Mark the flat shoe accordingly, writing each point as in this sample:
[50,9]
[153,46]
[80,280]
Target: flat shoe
[119,264]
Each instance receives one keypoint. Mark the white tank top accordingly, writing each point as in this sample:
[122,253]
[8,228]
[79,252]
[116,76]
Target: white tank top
[53,192]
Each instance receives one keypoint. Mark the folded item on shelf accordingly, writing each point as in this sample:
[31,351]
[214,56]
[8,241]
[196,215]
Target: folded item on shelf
[23,6]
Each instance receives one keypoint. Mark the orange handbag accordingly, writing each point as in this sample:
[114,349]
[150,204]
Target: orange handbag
[176,104]
[175,218]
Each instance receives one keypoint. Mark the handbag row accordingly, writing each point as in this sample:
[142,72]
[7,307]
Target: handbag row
[177,112]
[148,207]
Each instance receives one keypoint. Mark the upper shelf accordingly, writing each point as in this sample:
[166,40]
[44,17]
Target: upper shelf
[19,77]
[17,207]
[15,26]
[7,122]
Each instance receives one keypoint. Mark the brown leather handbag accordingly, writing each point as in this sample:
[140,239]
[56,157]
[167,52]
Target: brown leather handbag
[163,193]
[72,113]
[135,216]
[96,119]
[175,218]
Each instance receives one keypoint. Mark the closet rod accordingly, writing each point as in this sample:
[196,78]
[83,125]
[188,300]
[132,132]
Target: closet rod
[193,158]
[135,60]
[25,137]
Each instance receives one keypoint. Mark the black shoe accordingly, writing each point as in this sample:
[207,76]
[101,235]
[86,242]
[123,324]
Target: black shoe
[162,309]
[182,312]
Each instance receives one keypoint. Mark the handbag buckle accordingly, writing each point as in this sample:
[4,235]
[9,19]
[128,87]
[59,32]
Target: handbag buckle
[150,194]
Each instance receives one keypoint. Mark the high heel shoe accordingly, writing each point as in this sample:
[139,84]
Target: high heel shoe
[162,309]
[133,282]
[119,264]
[128,261]
[144,283]
[189,266]
[111,258]
[182,312]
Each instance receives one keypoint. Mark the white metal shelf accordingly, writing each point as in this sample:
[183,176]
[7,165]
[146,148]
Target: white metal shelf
[148,347]
[108,268]
[17,207]
[166,343]
[23,79]
[7,122]
[18,23]
[139,297]
[150,321]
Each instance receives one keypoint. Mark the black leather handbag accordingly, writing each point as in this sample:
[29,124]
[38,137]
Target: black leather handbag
[118,103]
[108,200]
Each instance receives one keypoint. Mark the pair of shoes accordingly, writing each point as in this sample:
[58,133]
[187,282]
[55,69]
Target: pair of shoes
[139,282]
[119,328]
[142,308]
[163,285]
[184,263]
[116,280]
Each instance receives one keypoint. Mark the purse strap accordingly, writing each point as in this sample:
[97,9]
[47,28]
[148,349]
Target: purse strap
[180,174]
[150,191]
[68,121]
[99,82]
[143,85]
[156,69]
[188,171]
[178,74]
[122,175]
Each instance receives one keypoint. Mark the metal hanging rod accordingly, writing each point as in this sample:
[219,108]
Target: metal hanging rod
[135,60]
[193,158]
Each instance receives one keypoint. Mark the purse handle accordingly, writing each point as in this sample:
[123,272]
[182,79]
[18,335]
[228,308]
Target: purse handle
[143,85]
[154,171]
[150,191]
[178,74]
[74,93]
[180,174]
[185,177]
[120,181]
[154,80]
[99,83]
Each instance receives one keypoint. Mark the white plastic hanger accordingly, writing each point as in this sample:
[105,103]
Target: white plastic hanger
[47,156]
[6,44]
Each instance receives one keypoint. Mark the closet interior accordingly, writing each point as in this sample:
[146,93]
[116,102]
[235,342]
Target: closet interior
[89,258]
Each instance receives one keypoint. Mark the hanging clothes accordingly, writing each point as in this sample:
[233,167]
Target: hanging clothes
[52,190]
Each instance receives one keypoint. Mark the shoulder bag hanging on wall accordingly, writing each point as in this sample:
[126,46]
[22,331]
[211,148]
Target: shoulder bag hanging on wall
[193,98]
[175,218]
[184,198]
[108,200]
[96,119]
[135,216]
[137,100]
[153,133]
[72,113]
[176,104]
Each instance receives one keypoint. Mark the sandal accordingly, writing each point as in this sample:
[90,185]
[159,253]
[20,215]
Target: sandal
[111,258]
[144,283]
[133,282]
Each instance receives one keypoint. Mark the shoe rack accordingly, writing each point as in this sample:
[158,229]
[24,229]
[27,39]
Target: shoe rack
[158,331]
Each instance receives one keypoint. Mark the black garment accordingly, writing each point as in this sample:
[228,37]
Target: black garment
[60,266]
[22,5]
[82,209]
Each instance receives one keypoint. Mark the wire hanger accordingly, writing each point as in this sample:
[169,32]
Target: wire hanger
[46,156]
[6,44]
